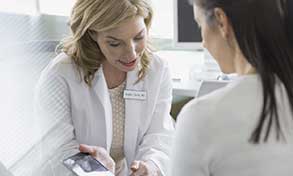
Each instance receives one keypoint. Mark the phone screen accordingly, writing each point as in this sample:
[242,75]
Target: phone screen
[83,164]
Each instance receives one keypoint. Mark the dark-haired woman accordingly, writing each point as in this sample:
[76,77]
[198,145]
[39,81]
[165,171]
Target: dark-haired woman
[246,128]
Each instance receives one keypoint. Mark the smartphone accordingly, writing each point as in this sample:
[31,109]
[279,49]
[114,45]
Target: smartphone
[83,164]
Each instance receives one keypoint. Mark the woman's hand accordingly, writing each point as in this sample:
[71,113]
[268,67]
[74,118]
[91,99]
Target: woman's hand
[144,168]
[100,154]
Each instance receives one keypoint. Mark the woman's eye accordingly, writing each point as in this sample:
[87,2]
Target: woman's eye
[139,38]
[114,44]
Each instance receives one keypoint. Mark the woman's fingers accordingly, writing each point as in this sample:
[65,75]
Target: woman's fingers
[138,168]
[87,149]
[134,166]
[144,168]
[100,154]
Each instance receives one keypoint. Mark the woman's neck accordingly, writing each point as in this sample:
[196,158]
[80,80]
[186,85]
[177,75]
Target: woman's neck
[242,66]
[113,76]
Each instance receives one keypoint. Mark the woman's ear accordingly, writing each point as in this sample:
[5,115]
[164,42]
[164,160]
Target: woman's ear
[222,22]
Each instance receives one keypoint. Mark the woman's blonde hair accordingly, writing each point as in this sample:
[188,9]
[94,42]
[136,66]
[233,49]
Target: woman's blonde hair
[101,15]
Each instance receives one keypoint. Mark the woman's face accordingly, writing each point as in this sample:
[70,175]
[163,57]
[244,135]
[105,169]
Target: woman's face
[124,45]
[213,39]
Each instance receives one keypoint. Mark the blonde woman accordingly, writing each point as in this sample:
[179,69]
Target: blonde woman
[107,91]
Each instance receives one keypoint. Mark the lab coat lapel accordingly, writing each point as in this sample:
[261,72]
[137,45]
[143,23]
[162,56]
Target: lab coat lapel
[101,89]
[132,113]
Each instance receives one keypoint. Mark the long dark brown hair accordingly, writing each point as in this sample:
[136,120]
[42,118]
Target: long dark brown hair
[264,32]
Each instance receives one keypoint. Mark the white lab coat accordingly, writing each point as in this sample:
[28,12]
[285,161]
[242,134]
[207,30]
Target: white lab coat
[4,171]
[70,113]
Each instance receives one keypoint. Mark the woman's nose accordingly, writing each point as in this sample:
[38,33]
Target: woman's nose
[131,53]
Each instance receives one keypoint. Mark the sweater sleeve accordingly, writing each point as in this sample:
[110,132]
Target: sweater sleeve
[191,149]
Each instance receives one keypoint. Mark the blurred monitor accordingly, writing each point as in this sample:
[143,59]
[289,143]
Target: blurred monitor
[187,34]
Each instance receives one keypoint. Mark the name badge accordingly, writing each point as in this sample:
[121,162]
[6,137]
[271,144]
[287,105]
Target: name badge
[134,94]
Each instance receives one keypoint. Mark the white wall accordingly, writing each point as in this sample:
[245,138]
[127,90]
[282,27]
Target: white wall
[162,24]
